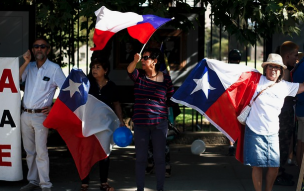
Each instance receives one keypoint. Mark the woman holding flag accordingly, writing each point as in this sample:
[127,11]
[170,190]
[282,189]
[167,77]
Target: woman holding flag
[105,90]
[261,143]
[152,90]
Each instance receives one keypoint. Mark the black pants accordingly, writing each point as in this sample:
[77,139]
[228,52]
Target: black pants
[158,136]
[103,171]
[287,126]
[150,154]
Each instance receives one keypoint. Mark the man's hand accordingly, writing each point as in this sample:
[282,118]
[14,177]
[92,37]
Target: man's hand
[27,56]
[46,110]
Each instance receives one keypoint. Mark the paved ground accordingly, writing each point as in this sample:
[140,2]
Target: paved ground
[211,171]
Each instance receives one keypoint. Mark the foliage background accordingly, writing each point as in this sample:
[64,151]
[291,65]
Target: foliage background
[69,23]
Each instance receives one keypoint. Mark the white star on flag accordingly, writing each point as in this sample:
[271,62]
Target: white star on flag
[73,87]
[203,84]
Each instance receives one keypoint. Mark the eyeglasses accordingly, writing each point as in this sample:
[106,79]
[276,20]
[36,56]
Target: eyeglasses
[145,57]
[42,46]
[274,67]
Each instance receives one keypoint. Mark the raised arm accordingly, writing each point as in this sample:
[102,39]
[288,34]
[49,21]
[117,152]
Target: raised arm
[27,59]
[132,65]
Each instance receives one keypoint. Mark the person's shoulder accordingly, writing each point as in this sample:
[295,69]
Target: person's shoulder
[166,75]
[52,64]
[263,80]
[32,63]
[298,70]
[111,83]
[286,83]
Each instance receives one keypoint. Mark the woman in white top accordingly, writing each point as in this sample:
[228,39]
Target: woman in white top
[261,145]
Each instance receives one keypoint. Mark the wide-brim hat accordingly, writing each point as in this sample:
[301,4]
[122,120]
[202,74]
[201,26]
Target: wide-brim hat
[274,59]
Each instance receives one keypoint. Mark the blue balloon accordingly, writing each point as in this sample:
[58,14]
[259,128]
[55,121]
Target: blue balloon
[122,136]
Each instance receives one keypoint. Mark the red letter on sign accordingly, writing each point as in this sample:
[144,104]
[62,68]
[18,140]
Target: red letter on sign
[3,154]
[7,74]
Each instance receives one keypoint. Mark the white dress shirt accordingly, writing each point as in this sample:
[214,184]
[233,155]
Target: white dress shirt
[41,83]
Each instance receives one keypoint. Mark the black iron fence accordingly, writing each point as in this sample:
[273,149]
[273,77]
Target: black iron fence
[216,44]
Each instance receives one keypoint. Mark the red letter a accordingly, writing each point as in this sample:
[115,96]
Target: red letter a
[7,74]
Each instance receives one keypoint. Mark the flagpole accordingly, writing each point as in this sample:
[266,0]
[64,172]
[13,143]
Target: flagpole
[150,37]
[142,48]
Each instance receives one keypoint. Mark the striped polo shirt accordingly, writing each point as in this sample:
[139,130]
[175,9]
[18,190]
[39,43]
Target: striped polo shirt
[151,98]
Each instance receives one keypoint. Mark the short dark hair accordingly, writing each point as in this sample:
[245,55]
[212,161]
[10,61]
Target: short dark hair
[105,63]
[281,75]
[42,38]
[155,54]
[287,47]
[234,55]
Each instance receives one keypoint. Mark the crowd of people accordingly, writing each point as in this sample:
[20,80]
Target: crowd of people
[269,131]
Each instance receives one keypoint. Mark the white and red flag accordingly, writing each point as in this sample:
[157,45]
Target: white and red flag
[219,91]
[84,123]
[140,27]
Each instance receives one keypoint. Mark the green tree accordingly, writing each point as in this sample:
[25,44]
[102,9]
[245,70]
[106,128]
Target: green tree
[249,20]
[252,20]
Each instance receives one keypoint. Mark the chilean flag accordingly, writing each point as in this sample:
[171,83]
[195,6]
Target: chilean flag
[219,91]
[140,27]
[84,123]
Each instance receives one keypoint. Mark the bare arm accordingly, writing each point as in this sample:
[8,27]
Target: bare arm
[27,58]
[132,65]
[301,88]
[118,112]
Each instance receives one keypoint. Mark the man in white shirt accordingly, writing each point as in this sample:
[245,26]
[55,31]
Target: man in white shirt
[42,78]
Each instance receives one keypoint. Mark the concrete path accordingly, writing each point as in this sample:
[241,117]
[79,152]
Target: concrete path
[211,171]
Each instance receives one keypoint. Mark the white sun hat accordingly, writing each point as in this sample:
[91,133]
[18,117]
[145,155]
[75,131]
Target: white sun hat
[274,59]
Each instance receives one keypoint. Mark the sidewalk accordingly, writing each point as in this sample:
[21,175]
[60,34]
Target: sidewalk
[211,171]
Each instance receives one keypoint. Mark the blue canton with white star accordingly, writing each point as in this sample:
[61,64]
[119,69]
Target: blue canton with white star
[81,85]
[191,94]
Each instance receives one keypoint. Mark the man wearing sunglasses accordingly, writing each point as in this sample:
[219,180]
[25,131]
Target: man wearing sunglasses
[42,77]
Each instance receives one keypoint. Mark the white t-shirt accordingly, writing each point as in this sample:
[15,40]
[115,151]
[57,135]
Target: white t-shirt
[263,118]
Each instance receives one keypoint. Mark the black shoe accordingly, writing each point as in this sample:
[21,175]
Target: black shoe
[281,181]
[231,151]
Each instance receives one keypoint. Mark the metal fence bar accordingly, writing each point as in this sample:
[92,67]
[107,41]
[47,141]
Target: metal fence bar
[78,22]
[196,124]
[87,49]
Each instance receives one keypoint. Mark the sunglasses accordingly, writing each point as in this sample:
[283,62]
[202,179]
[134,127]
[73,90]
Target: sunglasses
[271,67]
[145,57]
[42,46]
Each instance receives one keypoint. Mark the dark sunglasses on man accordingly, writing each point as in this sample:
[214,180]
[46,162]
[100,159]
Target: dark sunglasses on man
[42,46]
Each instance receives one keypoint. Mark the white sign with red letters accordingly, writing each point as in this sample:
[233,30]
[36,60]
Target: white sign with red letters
[10,134]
